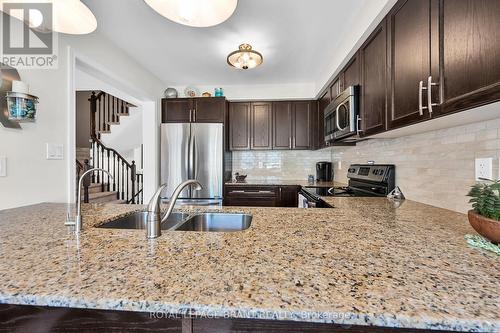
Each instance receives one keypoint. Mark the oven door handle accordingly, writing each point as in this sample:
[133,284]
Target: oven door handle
[366,191]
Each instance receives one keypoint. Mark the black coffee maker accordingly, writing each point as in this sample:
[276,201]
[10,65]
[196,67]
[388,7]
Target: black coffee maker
[324,172]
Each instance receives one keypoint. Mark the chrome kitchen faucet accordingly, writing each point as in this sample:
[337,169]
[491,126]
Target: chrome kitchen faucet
[77,222]
[154,220]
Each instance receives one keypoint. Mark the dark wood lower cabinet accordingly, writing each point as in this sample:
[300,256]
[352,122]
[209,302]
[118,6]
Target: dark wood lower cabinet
[20,318]
[261,196]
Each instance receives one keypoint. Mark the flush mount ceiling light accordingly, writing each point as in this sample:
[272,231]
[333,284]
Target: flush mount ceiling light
[245,57]
[195,13]
[69,16]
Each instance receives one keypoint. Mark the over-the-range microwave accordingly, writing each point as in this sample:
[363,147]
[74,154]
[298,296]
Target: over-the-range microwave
[341,115]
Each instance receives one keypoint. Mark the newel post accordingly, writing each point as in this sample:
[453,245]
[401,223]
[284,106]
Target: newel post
[86,181]
[93,112]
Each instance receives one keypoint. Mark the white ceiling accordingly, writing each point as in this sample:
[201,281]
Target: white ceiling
[298,39]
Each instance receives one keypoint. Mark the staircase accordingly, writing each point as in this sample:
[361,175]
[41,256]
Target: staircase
[125,185]
[96,191]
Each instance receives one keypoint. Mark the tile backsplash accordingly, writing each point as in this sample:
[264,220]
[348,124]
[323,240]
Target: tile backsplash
[435,167]
[279,164]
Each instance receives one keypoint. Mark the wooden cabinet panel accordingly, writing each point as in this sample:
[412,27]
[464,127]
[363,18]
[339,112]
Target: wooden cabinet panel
[335,88]
[282,129]
[373,92]
[301,125]
[318,130]
[261,195]
[470,53]
[251,196]
[239,126]
[209,110]
[289,196]
[409,24]
[176,110]
[351,73]
[261,126]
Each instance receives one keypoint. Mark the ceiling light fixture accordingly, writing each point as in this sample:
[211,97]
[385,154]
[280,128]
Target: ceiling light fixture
[245,57]
[195,13]
[69,16]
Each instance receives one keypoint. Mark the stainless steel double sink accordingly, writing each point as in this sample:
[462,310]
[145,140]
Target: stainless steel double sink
[211,222]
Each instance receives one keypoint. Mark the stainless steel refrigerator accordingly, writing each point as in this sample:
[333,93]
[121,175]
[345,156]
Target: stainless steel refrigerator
[193,151]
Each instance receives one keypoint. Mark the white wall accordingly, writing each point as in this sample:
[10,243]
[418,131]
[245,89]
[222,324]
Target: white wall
[260,92]
[33,179]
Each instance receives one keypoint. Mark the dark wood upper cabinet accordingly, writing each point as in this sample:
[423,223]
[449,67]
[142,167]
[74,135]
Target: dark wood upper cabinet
[177,110]
[209,110]
[319,130]
[350,75]
[261,125]
[373,92]
[239,126]
[201,110]
[470,56]
[301,125]
[335,88]
[410,44]
[282,129]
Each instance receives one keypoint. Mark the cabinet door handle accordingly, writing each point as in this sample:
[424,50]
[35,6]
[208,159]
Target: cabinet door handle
[429,94]
[290,142]
[421,106]
[358,125]
[266,192]
[190,115]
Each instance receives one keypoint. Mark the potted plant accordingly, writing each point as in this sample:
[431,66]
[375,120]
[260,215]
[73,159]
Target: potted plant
[485,215]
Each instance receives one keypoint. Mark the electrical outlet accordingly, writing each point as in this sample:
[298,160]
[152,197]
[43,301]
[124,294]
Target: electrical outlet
[484,168]
[3,166]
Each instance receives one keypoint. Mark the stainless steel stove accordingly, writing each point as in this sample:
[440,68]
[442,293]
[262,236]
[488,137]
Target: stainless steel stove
[364,180]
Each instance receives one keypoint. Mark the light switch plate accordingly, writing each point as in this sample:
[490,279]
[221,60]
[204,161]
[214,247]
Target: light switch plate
[55,151]
[3,166]
[484,168]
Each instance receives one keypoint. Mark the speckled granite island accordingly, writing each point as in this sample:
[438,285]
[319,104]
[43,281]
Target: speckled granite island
[363,262]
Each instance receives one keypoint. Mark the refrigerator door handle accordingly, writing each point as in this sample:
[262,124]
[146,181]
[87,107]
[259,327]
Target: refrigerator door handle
[191,160]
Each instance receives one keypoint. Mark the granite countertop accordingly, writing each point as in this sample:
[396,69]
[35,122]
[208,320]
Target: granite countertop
[284,182]
[361,263]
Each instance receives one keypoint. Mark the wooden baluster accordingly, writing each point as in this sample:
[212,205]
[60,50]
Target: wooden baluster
[123,182]
[86,182]
[98,174]
[114,172]
[107,113]
[102,167]
[118,174]
[100,117]
[132,178]
[113,111]
[108,169]
[142,189]
[93,160]
[128,180]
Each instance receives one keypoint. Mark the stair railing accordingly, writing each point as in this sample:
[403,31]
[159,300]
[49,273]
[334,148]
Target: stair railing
[126,182]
